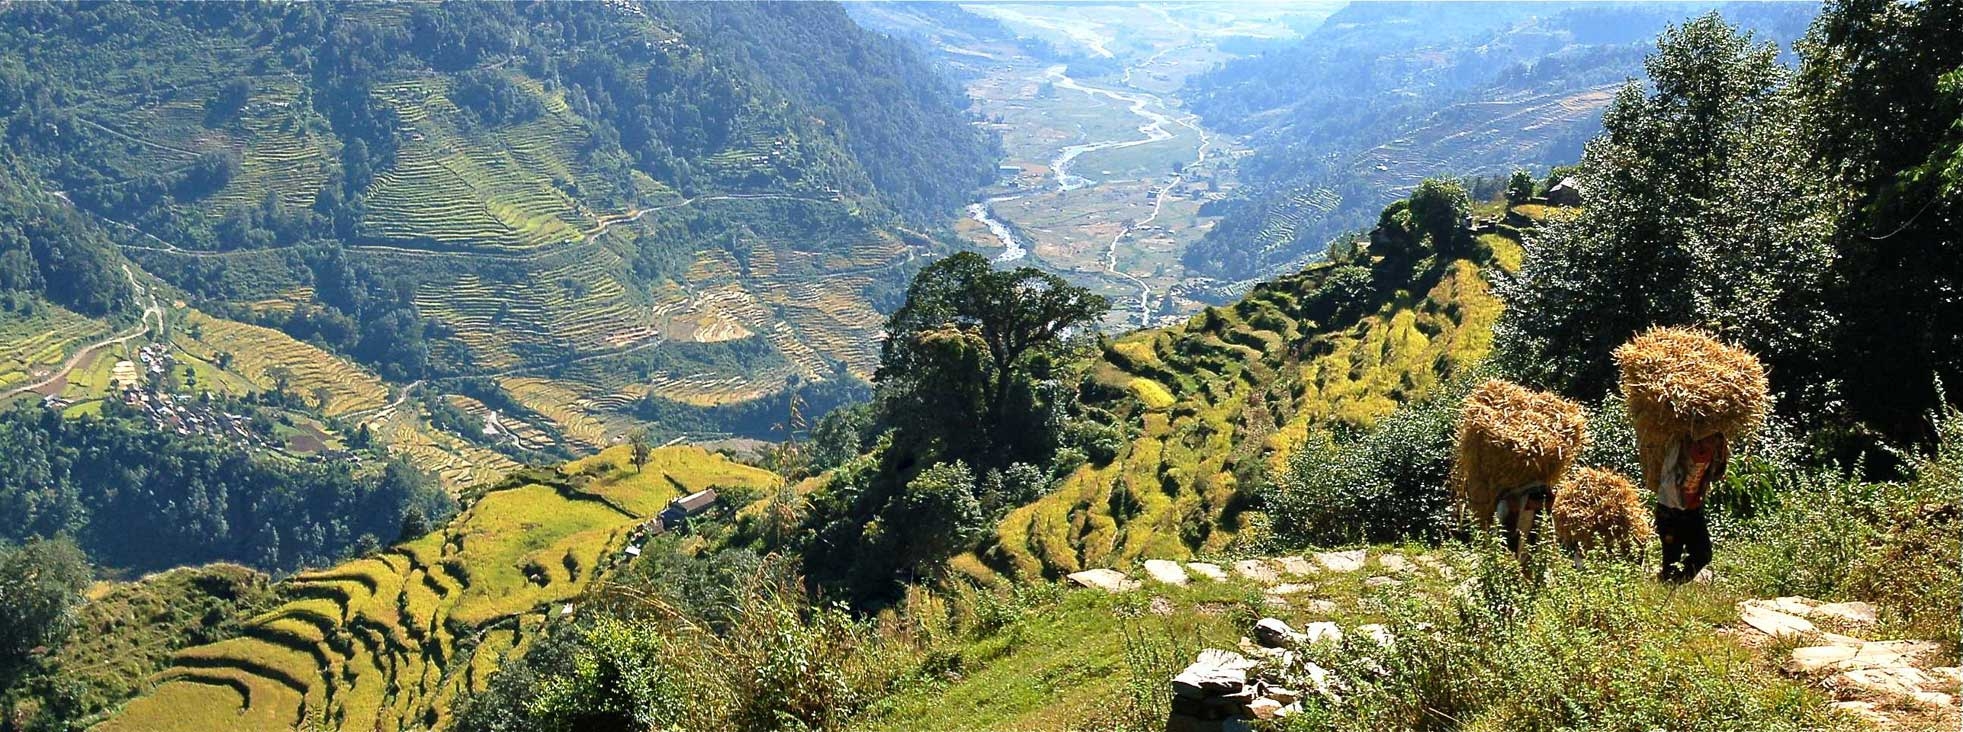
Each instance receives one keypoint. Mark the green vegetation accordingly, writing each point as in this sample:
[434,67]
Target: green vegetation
[126,632]
[200,500]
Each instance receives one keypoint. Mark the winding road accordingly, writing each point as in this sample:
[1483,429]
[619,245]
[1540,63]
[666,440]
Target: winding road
[152,310]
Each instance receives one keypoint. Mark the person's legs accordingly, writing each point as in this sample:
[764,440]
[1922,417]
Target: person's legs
[1696,534]
[1669,533]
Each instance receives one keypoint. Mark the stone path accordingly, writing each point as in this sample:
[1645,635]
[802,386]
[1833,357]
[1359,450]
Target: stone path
[1895,684]
[1282,576]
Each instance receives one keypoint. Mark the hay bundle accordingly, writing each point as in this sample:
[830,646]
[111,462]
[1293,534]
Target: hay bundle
[1600,508]
[1513,437]
[1681,384]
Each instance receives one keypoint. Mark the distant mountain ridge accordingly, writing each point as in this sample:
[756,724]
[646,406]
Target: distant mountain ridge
[1384,94]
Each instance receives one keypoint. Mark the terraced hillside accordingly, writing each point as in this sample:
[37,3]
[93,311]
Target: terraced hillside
[389,641]
[1229,394]
[500,191]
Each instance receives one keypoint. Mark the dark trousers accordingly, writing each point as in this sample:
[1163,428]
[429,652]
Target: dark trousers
[1686,543]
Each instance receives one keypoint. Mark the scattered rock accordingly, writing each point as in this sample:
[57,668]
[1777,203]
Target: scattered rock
[1169,573]
[1162,607]
[1284,695]
[1296,566]
[1108,580]
[1349,561]
[1320,606]
[1289,589]
[1206,569]
[1394,563]
[1274,633]
[1257,570]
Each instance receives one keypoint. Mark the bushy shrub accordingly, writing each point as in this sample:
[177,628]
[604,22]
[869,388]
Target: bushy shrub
[1386,485]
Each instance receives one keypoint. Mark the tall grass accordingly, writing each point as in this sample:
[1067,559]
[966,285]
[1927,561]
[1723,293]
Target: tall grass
[1597,646]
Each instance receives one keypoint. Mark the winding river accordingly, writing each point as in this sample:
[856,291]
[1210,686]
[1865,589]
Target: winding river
[1154,128]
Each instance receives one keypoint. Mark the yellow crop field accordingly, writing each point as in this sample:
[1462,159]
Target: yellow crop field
[429,619]
[263,356]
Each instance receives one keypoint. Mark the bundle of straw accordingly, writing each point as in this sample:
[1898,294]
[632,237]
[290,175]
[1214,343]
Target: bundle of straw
[1600,508]
[1683,381]
[1513,437]
[1681,384]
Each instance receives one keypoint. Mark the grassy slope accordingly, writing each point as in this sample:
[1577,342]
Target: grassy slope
[387,642]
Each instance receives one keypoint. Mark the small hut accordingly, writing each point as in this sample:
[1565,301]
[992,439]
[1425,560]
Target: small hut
[1600,509]
[1681,384]
[1513,439]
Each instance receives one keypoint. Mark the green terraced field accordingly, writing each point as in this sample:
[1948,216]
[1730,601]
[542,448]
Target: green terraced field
[34,344]
[388,642]
[1216,372]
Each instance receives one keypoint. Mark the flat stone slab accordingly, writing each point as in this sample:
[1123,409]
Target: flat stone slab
[1215,673]
[1896,681]
[1296,566]
[1773,622]
[1394,563]
[1167,572]
[1257,570]
[1349,561]
[1207,570]
[1320,631]
[1108,580]
[1289,589]
[1843,657]
[1852,613]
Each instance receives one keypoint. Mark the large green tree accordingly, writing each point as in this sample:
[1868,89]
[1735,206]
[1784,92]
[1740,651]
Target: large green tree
[1699,209]
[967,337]
[41,583]
[1883,85]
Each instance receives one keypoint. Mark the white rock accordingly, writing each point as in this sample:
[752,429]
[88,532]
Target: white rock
[1320,631]
[1844,657]
[1108,580]
[1167,572]
[1349,561]
[1257,570]
[1772,622]
[1854,613]
[1296,566]
[1206,569]
[1265,708]
[1320,606]
[1214,673]
[1934,698]
[1894,680]
[1394,563]
[1377,632]
[1273,633]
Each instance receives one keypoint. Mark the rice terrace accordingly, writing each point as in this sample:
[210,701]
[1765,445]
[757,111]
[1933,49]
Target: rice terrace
[654,365]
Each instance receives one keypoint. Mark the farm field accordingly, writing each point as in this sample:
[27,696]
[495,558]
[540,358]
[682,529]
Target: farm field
[389,641]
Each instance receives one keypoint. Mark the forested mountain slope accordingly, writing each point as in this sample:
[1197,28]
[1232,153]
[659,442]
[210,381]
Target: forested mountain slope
[1382,95]
[566,215]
